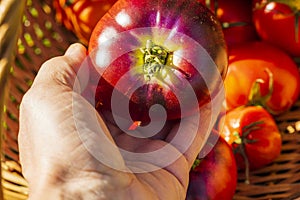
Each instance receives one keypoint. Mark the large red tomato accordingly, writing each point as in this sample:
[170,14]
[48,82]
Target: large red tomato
[215,177]
[279,23]
[81,16]
[253,134]
[158,52]
[259,73]
[236,19]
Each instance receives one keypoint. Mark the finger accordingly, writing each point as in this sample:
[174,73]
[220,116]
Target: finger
[63,70]
[190,135]
[75,53]
[56,123]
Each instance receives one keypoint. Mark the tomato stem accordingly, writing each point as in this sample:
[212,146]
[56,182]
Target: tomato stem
[233,24]
[155,59]
[247,164]
[256,98]
[297,16]
[241,142]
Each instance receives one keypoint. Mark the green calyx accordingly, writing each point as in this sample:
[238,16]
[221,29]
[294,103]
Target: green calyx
[246,130]
[155,58]
[255,97]
[242,140]
[69,2]
[196,163]
[158,61]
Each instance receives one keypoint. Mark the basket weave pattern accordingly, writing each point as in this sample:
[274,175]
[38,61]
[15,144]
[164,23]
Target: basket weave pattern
[281,179]
[42,38]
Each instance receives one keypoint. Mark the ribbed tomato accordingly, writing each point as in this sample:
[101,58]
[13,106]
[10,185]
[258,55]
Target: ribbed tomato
[166,52]
[253,134]
[261,74]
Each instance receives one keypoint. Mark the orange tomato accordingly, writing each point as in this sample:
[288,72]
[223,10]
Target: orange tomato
[81,16]
[253,135]
[261,74]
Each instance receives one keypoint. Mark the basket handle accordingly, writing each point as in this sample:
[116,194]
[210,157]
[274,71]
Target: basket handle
[11,12]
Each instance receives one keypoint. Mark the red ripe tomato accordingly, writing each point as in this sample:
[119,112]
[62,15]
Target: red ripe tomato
[215,177]
[151,51]
[253,135]
[81,16]
[259,73]
[236,19]
[278,23]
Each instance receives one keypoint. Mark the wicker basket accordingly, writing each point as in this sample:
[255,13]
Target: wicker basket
[41,38]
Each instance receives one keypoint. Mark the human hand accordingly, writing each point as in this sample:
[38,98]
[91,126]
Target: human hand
[58,146]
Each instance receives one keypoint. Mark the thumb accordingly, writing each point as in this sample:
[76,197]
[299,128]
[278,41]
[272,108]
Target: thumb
[75,55]
[62,70]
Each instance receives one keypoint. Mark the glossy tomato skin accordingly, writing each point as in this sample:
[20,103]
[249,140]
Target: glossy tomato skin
[81,16]
[216,176]
[173,25]
[236,19]
[262,141]
[275,23]
[248,62]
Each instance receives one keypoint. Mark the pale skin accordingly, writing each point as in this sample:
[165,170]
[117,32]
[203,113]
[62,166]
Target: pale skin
[58,166]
